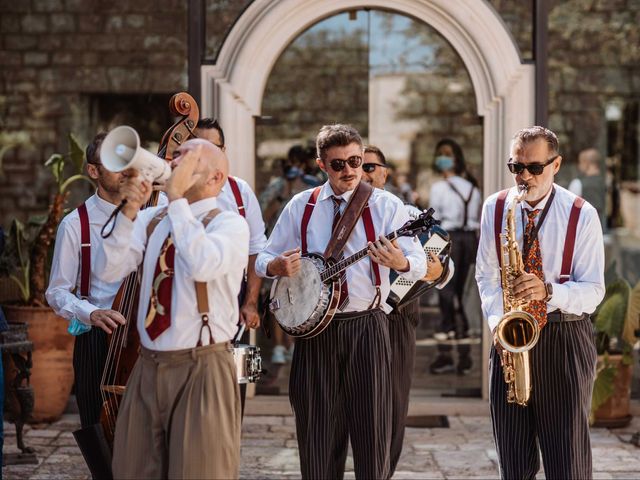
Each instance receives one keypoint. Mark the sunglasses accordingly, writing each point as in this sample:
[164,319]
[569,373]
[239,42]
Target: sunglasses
[338,164]
[534,168]
[370,167]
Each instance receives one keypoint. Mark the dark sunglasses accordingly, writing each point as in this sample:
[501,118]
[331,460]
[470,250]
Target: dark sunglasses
[338,164]
[534,168]
[370,167]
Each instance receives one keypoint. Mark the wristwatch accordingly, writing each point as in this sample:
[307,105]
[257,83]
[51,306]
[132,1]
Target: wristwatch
[549,288]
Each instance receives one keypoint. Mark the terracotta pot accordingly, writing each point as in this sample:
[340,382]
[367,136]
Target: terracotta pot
[52,371]
[616,411]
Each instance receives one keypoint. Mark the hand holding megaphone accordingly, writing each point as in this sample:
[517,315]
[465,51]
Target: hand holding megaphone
[121,151]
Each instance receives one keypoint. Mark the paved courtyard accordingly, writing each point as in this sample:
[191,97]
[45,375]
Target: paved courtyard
[463,450]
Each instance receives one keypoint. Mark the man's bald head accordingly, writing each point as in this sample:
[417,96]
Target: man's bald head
[212,157]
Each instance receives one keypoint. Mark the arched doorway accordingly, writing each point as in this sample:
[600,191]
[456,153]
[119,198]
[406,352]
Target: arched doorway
[233,89]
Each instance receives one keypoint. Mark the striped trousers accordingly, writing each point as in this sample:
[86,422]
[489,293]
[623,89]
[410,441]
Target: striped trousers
[402,336]
[89,355]
[556,419]
[339,388]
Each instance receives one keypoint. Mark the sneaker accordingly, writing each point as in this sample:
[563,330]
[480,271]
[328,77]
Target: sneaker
[443,336]
[442,364]
[464,365]
[277,356]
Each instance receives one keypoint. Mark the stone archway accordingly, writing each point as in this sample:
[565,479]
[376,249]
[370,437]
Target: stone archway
[233,88]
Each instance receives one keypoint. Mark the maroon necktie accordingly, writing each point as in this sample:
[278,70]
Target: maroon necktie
[344,289]
[533,264]
[159,313]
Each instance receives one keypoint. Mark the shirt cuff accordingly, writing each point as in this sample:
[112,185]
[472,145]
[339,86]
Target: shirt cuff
[84,310]
[560,296]
[262,262]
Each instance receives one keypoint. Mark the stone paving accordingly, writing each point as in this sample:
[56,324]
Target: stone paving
[269,451]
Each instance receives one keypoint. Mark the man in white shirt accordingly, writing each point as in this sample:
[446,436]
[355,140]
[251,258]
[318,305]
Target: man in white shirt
[549,224]
[340,379]
[404,319]
[180,415]
[236,196]
[64,291]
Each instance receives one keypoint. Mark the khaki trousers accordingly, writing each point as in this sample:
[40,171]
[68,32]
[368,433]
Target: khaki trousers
[180,416]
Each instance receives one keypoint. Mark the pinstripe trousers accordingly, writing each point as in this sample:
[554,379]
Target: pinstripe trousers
[339,388]
[402,336]
[89,355]
[557,417]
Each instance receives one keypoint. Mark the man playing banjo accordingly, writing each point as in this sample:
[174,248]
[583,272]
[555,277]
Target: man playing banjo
[340,379]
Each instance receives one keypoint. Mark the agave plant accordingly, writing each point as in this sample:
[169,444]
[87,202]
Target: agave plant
[25,257]
[616,321]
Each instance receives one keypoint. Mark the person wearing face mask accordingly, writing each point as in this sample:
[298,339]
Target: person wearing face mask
[560,240]
[457,200]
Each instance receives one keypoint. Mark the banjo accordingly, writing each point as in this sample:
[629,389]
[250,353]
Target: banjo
[305,303]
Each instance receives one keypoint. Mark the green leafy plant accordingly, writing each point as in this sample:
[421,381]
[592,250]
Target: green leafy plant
[26,254]
[616,320]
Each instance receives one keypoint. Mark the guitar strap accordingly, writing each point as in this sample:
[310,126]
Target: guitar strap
[348,221]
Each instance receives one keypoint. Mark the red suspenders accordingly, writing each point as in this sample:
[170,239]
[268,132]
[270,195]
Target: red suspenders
[569,241]
[233,183]
[85,251]
[366,218]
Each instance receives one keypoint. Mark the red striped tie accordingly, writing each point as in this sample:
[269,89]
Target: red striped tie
[344,289]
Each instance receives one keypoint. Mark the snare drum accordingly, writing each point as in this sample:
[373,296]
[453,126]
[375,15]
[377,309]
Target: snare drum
[248,362]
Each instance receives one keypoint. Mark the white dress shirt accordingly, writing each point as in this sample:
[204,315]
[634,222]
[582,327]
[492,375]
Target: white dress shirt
[65,267]
[582,292]
[217,255]
[415,213]
[450,207]
[253,215]
[388,214]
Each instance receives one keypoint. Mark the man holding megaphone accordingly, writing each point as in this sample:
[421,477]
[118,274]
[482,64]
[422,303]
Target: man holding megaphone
[193,256]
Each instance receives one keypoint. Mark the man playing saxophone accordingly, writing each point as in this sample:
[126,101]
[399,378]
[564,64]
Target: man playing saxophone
[560,282]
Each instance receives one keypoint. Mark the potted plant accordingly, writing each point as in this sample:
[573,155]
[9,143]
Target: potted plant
[616,320]
[25,262]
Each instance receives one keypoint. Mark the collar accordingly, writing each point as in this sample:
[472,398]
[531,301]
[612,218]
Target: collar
[203,206]
[327,192]
[101,204]
[542,203]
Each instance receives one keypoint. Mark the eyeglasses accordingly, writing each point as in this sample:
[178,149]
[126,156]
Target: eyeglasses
[370,167]
[337,164]
[534,168]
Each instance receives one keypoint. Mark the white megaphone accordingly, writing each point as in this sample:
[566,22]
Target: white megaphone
[121,150]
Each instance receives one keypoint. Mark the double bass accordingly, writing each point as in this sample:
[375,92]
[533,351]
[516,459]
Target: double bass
[124,341]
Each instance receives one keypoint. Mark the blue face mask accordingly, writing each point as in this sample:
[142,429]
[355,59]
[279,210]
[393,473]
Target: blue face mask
[444,163]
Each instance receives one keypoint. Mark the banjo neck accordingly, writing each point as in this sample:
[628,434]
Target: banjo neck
[335,269]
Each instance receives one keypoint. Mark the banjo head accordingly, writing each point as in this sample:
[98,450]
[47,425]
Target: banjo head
[298,296]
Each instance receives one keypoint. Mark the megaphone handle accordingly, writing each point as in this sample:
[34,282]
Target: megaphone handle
[112,218]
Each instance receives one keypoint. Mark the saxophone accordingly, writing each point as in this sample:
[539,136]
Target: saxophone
[518,331]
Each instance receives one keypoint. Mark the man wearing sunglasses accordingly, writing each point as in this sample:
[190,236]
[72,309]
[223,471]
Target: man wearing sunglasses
[562,250]
[403,320]
[340,385]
